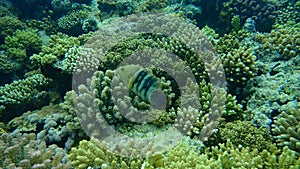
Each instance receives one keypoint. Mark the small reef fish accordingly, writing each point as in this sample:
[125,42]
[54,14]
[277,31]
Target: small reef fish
[143,84]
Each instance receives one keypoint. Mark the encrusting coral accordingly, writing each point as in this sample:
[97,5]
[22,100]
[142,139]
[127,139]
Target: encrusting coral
[279,86]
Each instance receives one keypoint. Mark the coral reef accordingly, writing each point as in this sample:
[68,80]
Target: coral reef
[55,50]
[51,58]
[288,12]
[238,59]
[25,151]
[126,7]
[46,24]
[62,94]
[7,65]
[231,110]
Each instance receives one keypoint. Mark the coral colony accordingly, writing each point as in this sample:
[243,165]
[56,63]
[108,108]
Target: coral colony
[68,100]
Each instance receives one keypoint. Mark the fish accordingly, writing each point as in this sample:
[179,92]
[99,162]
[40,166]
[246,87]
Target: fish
[144,84]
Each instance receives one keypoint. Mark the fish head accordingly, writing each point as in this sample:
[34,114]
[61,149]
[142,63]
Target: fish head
[127,72]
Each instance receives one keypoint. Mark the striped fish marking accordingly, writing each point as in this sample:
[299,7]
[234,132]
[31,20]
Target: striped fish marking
[143,84]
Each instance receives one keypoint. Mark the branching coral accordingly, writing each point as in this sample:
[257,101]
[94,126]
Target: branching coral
[288,12]
[286,129]
[239,66]
[7,65]
[72,22]
[19,94]
[111,8]
[21,45]
[8,25]
[51,58]
[231,110]
[246,134]
[239,60]
[95,96]
[48,23]
[284,39]
[228,156]
[95,153]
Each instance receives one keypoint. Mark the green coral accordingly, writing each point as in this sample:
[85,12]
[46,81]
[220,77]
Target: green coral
[127,47]
[288,13]
[7,65]
[247,9]
[155,5]
[232,107]
[183,156]
[243,157]
[72,20]
[236,22]
[286,129]
[22,93]
[54,52]
[48,23]
[25,151]
[239,60]
[79,21]
[284,39]
[21,45]
[8,25]
[231,110]
[228,156]
[95,153]
[239,65]
[227,42]
[211,33]
[246,134]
